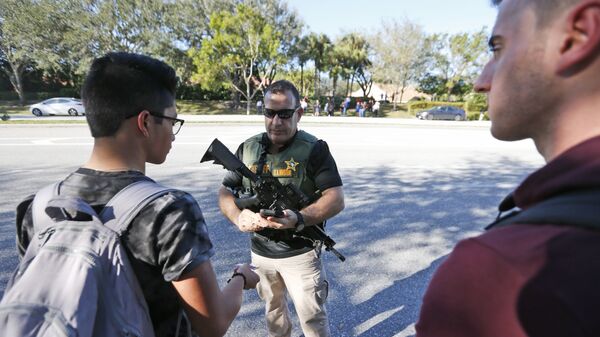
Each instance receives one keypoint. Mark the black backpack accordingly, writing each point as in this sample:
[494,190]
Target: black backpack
[579,208]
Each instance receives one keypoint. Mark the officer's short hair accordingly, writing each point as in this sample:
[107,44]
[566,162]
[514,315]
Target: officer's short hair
[283,86]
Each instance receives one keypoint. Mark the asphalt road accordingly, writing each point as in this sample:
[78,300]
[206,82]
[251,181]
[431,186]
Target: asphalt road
[412,191]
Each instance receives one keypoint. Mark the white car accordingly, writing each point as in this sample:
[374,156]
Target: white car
[58,106]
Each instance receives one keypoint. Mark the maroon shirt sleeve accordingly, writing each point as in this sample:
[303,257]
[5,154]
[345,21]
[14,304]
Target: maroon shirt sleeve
[472,294]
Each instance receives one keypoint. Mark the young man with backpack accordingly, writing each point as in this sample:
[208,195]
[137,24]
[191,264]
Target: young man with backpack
[130,110]
[536,271]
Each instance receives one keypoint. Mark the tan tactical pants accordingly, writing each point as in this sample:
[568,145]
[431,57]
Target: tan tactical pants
[303,277]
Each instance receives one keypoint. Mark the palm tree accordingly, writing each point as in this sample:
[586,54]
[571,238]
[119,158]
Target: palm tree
[301,52]
[318,47]
[353,54]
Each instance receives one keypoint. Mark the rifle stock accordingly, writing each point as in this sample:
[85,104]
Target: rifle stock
[270,194]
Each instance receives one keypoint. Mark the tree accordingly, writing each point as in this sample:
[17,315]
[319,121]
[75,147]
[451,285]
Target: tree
[364,78]
[401,54]
[294,75]
[25,40]
[302,56]
[102,26]
[318,47]
[284,20]
[243,45]
[457,58]
[434,85]
[335,64]
[352,54]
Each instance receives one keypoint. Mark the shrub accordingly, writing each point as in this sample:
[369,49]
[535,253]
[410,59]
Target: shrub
[8,96]
[476,102]
[474,116]
[68,92]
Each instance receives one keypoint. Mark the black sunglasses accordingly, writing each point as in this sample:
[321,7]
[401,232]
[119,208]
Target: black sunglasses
[176,122]
[283,113]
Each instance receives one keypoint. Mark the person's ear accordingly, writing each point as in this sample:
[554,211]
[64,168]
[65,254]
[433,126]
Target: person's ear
[582,42]
[300,113]
[142,122]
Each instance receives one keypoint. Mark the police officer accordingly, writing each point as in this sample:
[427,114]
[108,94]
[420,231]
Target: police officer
[286,263]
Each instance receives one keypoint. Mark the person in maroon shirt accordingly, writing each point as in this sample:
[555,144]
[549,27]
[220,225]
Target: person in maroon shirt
[526,279]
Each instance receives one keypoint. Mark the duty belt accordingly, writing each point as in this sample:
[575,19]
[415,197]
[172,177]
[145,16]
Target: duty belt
[275,234]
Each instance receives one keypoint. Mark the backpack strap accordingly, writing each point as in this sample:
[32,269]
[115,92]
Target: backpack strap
[128,202]
[579,209]
[38,206]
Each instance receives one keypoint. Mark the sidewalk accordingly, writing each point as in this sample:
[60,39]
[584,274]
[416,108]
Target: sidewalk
[244,119]
[325,120]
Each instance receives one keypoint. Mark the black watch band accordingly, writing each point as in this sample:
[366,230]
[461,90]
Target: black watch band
[238,274]
[300,223]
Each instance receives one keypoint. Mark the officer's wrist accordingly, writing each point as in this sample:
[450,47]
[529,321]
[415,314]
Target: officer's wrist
[300,225]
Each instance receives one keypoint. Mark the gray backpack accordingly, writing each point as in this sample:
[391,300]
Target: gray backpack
[75,278]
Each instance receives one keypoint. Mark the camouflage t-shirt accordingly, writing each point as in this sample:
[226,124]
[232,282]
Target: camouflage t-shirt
[167,239]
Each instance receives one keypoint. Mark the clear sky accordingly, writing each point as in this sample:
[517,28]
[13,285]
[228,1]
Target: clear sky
[334,17]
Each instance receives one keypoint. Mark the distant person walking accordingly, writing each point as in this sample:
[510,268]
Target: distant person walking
[345,106]
[330,106]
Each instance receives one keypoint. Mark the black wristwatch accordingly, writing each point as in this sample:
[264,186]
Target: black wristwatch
[300,223]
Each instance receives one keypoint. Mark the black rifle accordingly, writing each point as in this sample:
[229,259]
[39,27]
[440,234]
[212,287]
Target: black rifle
[269,194]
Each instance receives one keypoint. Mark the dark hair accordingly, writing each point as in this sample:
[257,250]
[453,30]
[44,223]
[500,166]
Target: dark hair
[283,86]
[121,85]
[545,10]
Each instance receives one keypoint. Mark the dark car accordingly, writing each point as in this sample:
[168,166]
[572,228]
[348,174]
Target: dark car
[443,112]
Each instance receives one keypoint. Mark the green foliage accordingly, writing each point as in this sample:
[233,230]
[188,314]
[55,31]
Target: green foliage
[69,92]
[195,92]
[456,60]
[25,40]
[474,116]
[476,102]
[225,46]
[350,60]
[8,96]
[242,52]
[318,46]
[431,84]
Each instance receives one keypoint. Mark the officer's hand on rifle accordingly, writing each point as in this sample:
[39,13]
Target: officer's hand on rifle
[249,221]
[287,221]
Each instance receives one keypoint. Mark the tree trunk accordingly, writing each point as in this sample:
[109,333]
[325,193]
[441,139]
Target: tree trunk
[235,95]
[316,82]
[20,90]
[401,94]
[347,86]
[235,100]
[335,78]
[16,79]
[394,99]
[302,79]
[248,97]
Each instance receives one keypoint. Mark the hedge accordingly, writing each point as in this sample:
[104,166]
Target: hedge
[38,96]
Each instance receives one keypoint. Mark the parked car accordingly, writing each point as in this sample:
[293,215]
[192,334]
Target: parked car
[58,106]
[443,112]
